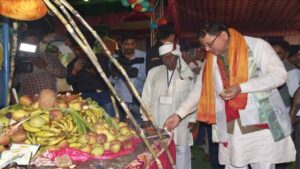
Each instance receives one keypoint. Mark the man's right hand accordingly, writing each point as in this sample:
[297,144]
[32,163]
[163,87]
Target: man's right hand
[172,122]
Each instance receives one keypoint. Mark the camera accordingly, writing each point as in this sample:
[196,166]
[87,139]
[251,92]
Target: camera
[23,64]
[127,64]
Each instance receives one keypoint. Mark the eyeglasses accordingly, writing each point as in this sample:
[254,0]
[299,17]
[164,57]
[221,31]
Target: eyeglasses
[209,45]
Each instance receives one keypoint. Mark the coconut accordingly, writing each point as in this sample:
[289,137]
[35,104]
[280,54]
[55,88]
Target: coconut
[47,99]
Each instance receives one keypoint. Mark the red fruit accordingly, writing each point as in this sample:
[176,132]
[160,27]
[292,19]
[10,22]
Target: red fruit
[18,136]
[56,115]
[127,145]
[52,148]
[101,138]
[4,139]
[63,144]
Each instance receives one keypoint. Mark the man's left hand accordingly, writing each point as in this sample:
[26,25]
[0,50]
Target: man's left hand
[231,92]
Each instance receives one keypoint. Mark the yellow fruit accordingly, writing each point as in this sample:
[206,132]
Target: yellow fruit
[45,134]
[37,122]
[75,145]
[20,114]
[97,151]
[29,128]
[25,100]
[76,106]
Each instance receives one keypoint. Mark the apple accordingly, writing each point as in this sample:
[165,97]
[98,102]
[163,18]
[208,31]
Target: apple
[86,148]
[124,130]
[101,138]
[123,137]
[102,130]
[106,146]
[110,137]
[25,100]
[52,148]
[2,148]
[19,115]
[4,139]
[18,136]
[63,144]
[76,106]
[95,145]
[113,131]
[97,151]
[35,105]
[127,145]
[56,115]
[83,139]
[115,146]
[62,104]
[92,138]
[68,98]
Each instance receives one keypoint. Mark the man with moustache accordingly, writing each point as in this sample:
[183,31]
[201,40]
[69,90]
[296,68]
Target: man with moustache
[133,61]
[237,91]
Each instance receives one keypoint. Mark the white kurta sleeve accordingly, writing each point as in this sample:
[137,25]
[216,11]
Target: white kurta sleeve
[191,102]
[271,68]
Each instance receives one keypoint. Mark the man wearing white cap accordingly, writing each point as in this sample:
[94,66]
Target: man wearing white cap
[166,87]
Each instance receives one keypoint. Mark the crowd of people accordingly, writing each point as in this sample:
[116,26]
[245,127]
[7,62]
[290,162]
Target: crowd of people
[243,90]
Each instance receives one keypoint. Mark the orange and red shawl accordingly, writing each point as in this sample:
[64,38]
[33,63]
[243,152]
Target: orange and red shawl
[238,73]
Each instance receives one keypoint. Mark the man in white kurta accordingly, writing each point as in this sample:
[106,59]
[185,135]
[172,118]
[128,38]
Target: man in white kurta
[164,90]
[257,147]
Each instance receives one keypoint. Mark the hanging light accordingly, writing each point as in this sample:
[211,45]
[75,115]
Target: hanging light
[23,9]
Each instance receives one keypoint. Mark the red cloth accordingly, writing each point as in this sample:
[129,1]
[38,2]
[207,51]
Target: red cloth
[164,158]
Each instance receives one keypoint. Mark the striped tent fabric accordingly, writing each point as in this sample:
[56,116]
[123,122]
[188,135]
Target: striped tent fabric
[251,17]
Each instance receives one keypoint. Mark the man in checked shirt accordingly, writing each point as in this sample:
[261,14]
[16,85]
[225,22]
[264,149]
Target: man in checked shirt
[39,70]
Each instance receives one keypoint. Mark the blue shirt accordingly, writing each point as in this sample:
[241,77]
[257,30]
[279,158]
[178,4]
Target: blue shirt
[138,81]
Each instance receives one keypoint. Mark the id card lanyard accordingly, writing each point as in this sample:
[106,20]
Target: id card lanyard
[169,80]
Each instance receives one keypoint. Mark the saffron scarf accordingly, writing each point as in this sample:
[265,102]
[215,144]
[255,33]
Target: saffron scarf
[238,73]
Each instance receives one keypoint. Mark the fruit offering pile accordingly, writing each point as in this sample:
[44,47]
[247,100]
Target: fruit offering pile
[69,122]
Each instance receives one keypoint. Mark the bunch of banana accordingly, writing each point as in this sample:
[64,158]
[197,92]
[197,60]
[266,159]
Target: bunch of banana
[65,125]
[90,117]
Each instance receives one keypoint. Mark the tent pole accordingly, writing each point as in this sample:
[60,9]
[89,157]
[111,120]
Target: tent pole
[6,66]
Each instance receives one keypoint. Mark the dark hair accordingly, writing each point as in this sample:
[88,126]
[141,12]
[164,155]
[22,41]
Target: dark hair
[126,36]
[164,31]
[211,28]
[30,33]
[283,44]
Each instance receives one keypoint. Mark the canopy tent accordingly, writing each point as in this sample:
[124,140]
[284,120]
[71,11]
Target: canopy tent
[252,17]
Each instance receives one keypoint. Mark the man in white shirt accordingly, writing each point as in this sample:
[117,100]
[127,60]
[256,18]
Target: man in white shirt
[166,87]
[237,91]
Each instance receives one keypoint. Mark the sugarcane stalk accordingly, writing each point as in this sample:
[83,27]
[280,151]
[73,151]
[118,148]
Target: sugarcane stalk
[87,49]
[145,110]
[12,61]
[115,106]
